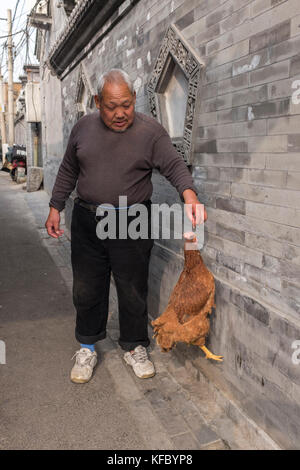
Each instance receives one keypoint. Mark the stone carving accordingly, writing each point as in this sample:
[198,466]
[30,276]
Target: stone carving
[83,95]
[175,47]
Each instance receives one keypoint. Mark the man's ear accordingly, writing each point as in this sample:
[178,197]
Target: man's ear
[97,101]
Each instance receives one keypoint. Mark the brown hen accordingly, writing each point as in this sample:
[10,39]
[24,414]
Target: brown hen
[186,316]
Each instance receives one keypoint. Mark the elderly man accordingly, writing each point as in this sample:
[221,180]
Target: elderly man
[111,153]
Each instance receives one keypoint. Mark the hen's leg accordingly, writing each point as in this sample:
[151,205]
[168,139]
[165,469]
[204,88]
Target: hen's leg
[210,355]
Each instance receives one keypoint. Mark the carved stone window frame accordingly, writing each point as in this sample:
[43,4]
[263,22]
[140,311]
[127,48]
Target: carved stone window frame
[82,82]
[175,48]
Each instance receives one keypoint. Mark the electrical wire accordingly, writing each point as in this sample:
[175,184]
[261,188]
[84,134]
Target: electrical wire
[16,7]
[13,34]
[18,17]
[21,56]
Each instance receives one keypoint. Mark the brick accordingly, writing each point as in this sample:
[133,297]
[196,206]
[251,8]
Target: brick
[230,39]
[280,197]
[242,160]
[231,205]
[276,143]
[218,73]
[232,115]
[232,145]
[250,96]
[294,143]
[217,187]
[293,181]
[274,298]
[290,271]
[230,233]
[232,84]
[294,107]
[283,328]
[290,290]
[291,253]
[215,159]
[271,108]
[206,7]
[237,18]
[285,50]
[230,53]
[200,172]
[208,200]
[259,6]
[209,91]
[280,89]
[229,262]
[205,146]
[271,36]
[263,277]
[217,15]
[224,101]
[250,63]
[262,243]
[250,306]
[236,250]
[241,129]
[295,66]
[295,26]
[282,215]
[206,34]
[283,162]
[259,227]
[208,119]
[231,174]
[185,20]
[270,73]
[267,178]
[213,173]
[284,125]
[270,263]
[282,10]
[208,106]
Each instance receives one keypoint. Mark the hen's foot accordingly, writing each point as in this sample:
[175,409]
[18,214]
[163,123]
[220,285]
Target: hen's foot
[210,355]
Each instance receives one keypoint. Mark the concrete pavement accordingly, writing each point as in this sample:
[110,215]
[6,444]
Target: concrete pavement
[41,408]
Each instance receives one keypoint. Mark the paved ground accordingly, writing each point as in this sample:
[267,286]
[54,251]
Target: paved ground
[40,407]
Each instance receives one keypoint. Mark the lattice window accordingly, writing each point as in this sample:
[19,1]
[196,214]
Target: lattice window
[173,89]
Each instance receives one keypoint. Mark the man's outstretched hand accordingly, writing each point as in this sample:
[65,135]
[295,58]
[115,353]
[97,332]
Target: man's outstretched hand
[52,223]
[194,208]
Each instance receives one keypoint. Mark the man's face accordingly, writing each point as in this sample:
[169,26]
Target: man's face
[116,106]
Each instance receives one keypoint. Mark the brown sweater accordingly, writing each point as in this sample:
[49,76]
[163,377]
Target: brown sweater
[106,164]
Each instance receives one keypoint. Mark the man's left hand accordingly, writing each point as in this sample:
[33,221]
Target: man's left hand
[195,210]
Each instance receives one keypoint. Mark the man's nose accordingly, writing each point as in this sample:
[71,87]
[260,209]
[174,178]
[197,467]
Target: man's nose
[119,113]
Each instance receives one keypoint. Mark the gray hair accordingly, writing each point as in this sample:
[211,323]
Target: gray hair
[114,76]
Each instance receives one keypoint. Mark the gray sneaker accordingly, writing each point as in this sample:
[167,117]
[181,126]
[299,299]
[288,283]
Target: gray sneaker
[84,365]
[138,360]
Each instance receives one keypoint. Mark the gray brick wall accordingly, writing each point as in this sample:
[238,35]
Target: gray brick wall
[247,170]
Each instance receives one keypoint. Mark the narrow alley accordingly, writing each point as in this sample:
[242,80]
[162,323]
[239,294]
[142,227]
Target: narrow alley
[41,408]
[190,108]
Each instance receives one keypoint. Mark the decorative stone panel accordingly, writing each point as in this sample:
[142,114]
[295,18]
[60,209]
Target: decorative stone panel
[176,54]
[84,98]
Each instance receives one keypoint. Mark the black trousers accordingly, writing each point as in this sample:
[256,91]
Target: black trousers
[93,261]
